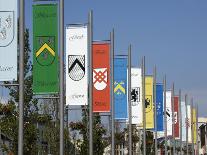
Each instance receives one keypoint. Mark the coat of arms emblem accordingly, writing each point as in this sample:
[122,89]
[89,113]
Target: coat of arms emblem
[6,28]
[76,67]
[119,88]
[100,78]
[45,54]
[148,103]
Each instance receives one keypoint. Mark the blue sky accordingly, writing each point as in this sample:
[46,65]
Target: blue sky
[171,34]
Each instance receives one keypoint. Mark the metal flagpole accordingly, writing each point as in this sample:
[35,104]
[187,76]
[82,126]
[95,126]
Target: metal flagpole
[155,106]
[112,94]
[180,118]
[61,20]
[197,144]
[192,125]
[143,106]
[173,117]
[21,78]
[129,100]
[165,116]
[90,38]
[186,122]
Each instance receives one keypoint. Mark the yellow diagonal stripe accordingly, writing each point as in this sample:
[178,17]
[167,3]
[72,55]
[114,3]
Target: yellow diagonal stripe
[119,87]
[45,46]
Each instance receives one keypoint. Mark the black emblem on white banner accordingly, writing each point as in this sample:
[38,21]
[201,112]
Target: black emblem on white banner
[6,28]
[135,98]
[169,114]
[76,67]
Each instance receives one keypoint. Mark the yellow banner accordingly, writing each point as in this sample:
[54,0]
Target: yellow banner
[149,106]
[194,125]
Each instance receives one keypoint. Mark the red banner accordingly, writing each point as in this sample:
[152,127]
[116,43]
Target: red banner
[176,116]
[101,77]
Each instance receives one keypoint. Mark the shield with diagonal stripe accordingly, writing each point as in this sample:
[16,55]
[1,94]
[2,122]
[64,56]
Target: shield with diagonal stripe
[6,28]
[100,78]
[76,67]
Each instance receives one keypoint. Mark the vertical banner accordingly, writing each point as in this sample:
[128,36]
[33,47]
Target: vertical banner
[183,113]
[45,47]
[76,65]
[169,112]
[101,77]
[194,125]
[120,88]
[149,107]
[189,123]
[159,106]
[136,97]
[8,40]
[176,117]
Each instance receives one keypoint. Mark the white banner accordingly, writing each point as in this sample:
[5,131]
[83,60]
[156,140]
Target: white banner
[136,96]
[189,123]
[169,112]
[8,40]
[76,65]
[183,115]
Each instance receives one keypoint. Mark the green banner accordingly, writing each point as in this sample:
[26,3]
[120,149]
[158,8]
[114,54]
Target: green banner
[45,47]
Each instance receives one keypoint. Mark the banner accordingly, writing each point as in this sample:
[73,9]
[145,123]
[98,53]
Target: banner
[101,77]
[149,107]
[194,125]
[176,117]
[189,123]
[183,115]
[120,88]
[45,47]
[136,96]
[169,112]
[159,107]
[76,65]
[8,40]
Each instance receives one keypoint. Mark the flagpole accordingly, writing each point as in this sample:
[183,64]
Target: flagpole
[173,117]
[21,77]
[129,100]
[143,106]
[90,38]
[165,116]
[186,122]
[61,12]
[112,94]
[197,149]
[180,118]
[155,106]
[192,125]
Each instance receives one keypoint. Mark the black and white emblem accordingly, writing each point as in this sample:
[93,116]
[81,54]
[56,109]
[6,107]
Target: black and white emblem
[135,95]
[6,28]
[76,67]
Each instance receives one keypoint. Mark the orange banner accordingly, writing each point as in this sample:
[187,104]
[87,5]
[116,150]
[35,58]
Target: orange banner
[101,77]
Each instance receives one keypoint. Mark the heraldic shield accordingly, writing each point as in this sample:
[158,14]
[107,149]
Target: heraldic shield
[148,103]
[100,78]
[6,28]
[76,67]
[119,89]
[175,117]
[45,54]
[168,113]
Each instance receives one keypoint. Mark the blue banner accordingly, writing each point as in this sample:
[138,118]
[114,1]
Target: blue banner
[159,105]
[120,88]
